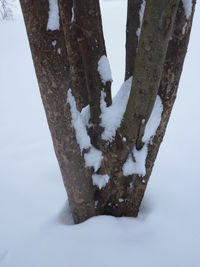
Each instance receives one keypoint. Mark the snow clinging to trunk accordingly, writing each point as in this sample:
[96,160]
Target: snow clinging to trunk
[53,19]
[72,20]
[94,157]
[82,136]
[187,4]
[85,115]
[100,180]
[141,15]
[112,116]
[137,166]
[104,69]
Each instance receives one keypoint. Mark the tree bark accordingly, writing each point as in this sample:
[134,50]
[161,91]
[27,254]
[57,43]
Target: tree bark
[87,26]
[77,73]
[176,53]
[68,57]
[157,28]
[52,72]
[123,195]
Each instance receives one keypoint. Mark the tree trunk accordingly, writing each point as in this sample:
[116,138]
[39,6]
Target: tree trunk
[157,28]
[167,91]
[52,70]
[70,62]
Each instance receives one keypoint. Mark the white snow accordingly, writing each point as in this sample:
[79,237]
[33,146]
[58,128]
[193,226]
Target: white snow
[72,20]
[154,121]
[187,4]
[53,20]
[85,115]
[136,165]
[141,15]
[100,180]
[93,158]
[104,69]
[59,51]
[184,28]
[36,227]
[112,116]
[54,42]
[82,136]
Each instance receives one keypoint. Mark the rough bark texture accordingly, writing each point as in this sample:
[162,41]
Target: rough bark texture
[167,91]
[72,62]
[132,25]
[157,27]
[77,73]
[87,28]
[52,72]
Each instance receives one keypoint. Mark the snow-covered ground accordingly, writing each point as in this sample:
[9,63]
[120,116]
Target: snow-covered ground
[36,229]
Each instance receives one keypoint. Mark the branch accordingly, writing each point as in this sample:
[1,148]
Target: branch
[82,25]
[167,91]
[77,74]
[158,21]
[88,28]
[132,34]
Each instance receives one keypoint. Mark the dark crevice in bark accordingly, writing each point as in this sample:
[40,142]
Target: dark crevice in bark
[132,25]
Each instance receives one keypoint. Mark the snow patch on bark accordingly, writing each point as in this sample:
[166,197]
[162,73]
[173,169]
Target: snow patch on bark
[187,4]
[135,163]
[141,15]
[85,115]
[53,20]
[54,42]
[72,20]
[82,137]
[112,116]
[104,69]
[154,121]
[184,28]
[59,51]
[100,180]
[138,167]
[93,158]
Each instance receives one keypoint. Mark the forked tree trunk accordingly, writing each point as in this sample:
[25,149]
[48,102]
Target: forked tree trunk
[67,58]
